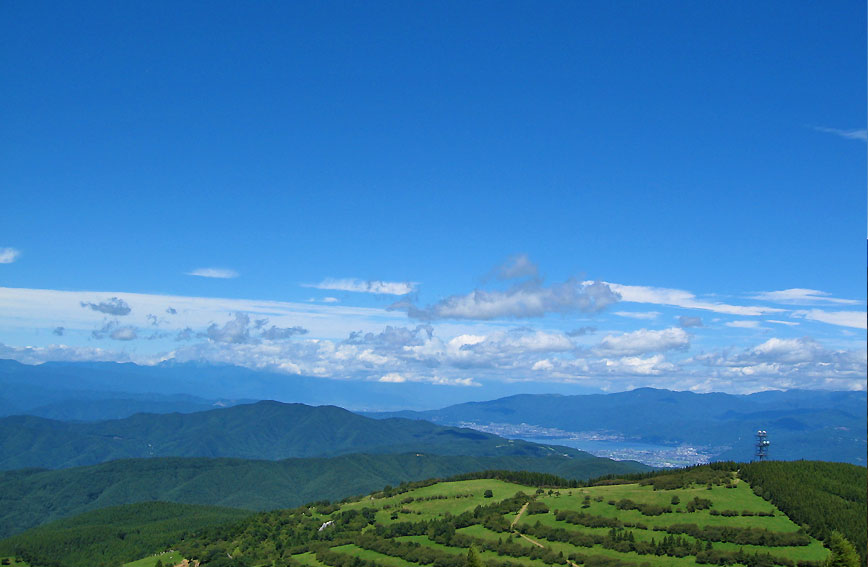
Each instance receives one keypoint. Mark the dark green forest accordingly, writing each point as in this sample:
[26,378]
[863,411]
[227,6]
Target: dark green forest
[824,497]
[264,430]
[31,497]
[111,536]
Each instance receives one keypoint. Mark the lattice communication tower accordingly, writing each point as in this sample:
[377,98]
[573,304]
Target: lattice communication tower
[762,445]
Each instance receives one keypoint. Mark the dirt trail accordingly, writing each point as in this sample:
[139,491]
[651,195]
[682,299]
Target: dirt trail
[518,516]
[533,541]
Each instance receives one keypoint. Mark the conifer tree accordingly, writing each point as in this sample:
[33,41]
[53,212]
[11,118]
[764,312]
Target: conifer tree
[473,560]
[843,552]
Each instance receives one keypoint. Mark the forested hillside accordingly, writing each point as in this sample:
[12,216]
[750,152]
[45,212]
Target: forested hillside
[824,497]
[31,497]
[264,430]
[115,535]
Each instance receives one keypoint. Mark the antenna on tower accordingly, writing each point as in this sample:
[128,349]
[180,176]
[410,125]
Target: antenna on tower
[762,445]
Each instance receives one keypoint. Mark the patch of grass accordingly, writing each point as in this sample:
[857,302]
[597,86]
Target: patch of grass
[167,558]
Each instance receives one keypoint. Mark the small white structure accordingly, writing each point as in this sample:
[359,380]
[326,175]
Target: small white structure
[325,525]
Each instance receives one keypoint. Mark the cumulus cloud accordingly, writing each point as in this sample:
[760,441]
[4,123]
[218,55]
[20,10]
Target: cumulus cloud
[279,333]
[392,378]
[504,348]
[643,341]
[803,358]
[638,366]
[235,331]
[114,330]
[239,330]
[855,319]
[519,266]
[114,306]
[524,300]
[365,286]
[801,296]
[684,299]
[185,334]
[218,273]
[8,255]
[393,337]
[687,322]
[856,134]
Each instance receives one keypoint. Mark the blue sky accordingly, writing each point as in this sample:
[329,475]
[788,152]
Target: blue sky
[449,180]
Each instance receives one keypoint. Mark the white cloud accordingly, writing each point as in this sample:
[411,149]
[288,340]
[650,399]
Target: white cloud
[219,273]
[647,315]
[453,381]
[778,322]
[519,266]
[643,341]
[363,286]
[393,378]
[855,319]
[685,299]
[22,308]
[529,299]
[330,300]
[635,365]
[803,362]
[61,353]
[743,324]
[848,134]
[8,255]
[801,296]
[113,306]
[687,322]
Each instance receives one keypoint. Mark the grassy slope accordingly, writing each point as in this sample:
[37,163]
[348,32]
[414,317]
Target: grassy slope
[455,498]
[29,498]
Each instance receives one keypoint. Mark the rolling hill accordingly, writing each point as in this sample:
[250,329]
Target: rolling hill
[264,430]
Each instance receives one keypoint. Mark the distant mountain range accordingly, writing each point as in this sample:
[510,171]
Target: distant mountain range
[171,386]
[264,430]
[801,424]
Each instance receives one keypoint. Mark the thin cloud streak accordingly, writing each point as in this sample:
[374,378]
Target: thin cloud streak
[681,298]
[848,134]
[365,286]
[800,296]
[217,273]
